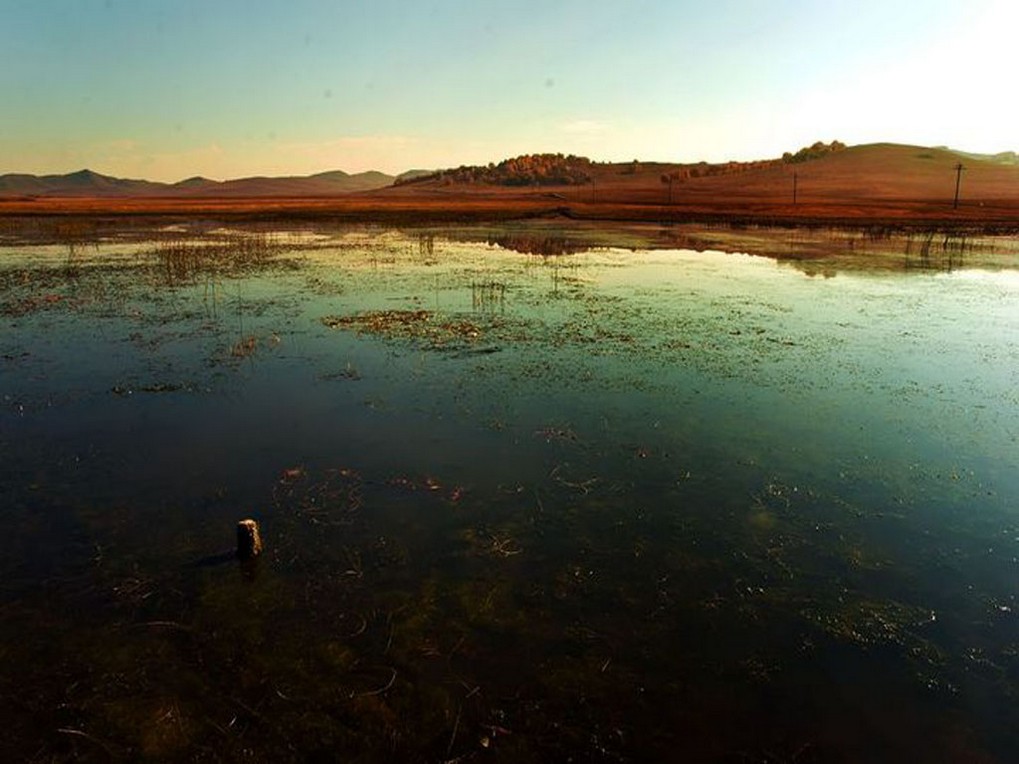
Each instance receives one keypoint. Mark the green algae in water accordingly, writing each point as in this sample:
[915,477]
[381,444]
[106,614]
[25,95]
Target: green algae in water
[610,505]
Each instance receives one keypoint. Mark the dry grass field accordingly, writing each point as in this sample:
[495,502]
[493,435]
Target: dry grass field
[878,184]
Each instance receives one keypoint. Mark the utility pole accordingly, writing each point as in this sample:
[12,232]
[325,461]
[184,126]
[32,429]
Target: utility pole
[794,187]
[958,179]
[669,178]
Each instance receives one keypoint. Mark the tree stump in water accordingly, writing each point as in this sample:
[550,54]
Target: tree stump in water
[249,541]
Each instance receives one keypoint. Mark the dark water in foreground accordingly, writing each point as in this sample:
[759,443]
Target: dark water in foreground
[607,506]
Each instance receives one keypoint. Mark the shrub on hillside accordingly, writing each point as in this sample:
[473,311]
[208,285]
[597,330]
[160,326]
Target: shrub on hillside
[816,151]
[526,170]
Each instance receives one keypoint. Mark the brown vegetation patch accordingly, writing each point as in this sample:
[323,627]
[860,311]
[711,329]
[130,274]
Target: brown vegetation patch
[244,348]
[419,325]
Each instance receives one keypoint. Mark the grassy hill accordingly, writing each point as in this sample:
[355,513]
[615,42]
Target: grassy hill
[858,176]
[876,183]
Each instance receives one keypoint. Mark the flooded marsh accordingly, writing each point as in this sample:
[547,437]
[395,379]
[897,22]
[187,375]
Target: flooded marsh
[527,493]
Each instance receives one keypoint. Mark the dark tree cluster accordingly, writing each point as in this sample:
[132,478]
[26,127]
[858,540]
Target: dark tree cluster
[816,151]
[526,170]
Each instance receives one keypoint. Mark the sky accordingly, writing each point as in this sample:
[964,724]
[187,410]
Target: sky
[169,89]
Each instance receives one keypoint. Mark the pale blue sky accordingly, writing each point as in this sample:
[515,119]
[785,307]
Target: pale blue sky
[166,89]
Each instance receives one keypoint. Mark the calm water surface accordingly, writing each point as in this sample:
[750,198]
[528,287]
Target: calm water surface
[612,505]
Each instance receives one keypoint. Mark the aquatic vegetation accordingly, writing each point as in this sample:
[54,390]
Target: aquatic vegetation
[349,373]
[610,505]
[183,259]
[488,296]
[245,347]
[420,325]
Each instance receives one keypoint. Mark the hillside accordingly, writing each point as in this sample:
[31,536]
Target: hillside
[86,183]
[80,183]
[882,183]
[859,176]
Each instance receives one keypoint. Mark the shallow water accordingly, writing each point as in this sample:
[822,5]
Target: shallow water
[618,504]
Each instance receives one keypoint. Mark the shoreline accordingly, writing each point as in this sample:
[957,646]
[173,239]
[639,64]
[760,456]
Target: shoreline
[908,215]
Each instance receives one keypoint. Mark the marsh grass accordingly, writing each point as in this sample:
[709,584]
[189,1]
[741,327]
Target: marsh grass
[184,258]
[488,297]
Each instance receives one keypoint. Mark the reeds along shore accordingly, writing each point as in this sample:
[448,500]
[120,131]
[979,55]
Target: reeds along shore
[988,217]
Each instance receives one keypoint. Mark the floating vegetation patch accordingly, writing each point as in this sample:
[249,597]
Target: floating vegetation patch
[423,326]
[348,373]
[869,623]
[245,347]
[32,304]
[153,387]
[331,498]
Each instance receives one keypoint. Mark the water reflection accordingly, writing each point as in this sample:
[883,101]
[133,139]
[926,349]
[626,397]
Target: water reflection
[820,250]
[615,504]
[539,245]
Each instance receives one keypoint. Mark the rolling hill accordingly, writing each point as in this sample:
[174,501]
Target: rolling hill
[86,183]
[866,184]
[866,173]
[881,182]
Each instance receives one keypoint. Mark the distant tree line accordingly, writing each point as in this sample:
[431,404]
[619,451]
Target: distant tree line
[815,151]
[571,170]
[525,170]
[705,170]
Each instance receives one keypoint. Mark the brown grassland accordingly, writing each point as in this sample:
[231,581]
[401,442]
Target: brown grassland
[877,184]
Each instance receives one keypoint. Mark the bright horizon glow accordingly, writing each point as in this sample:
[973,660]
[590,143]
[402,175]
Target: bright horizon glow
[169,89]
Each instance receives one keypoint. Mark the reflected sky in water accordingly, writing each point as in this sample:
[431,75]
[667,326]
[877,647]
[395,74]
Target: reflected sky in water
[624,503]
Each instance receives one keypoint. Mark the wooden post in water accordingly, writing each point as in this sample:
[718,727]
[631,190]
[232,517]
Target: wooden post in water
[249,541]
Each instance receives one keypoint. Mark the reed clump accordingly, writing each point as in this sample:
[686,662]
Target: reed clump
[184,258]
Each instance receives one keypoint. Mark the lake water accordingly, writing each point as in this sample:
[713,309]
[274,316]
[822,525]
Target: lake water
[603,499]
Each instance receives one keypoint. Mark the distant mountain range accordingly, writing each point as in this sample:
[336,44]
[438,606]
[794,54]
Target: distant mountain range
[86,183]
[882,168]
